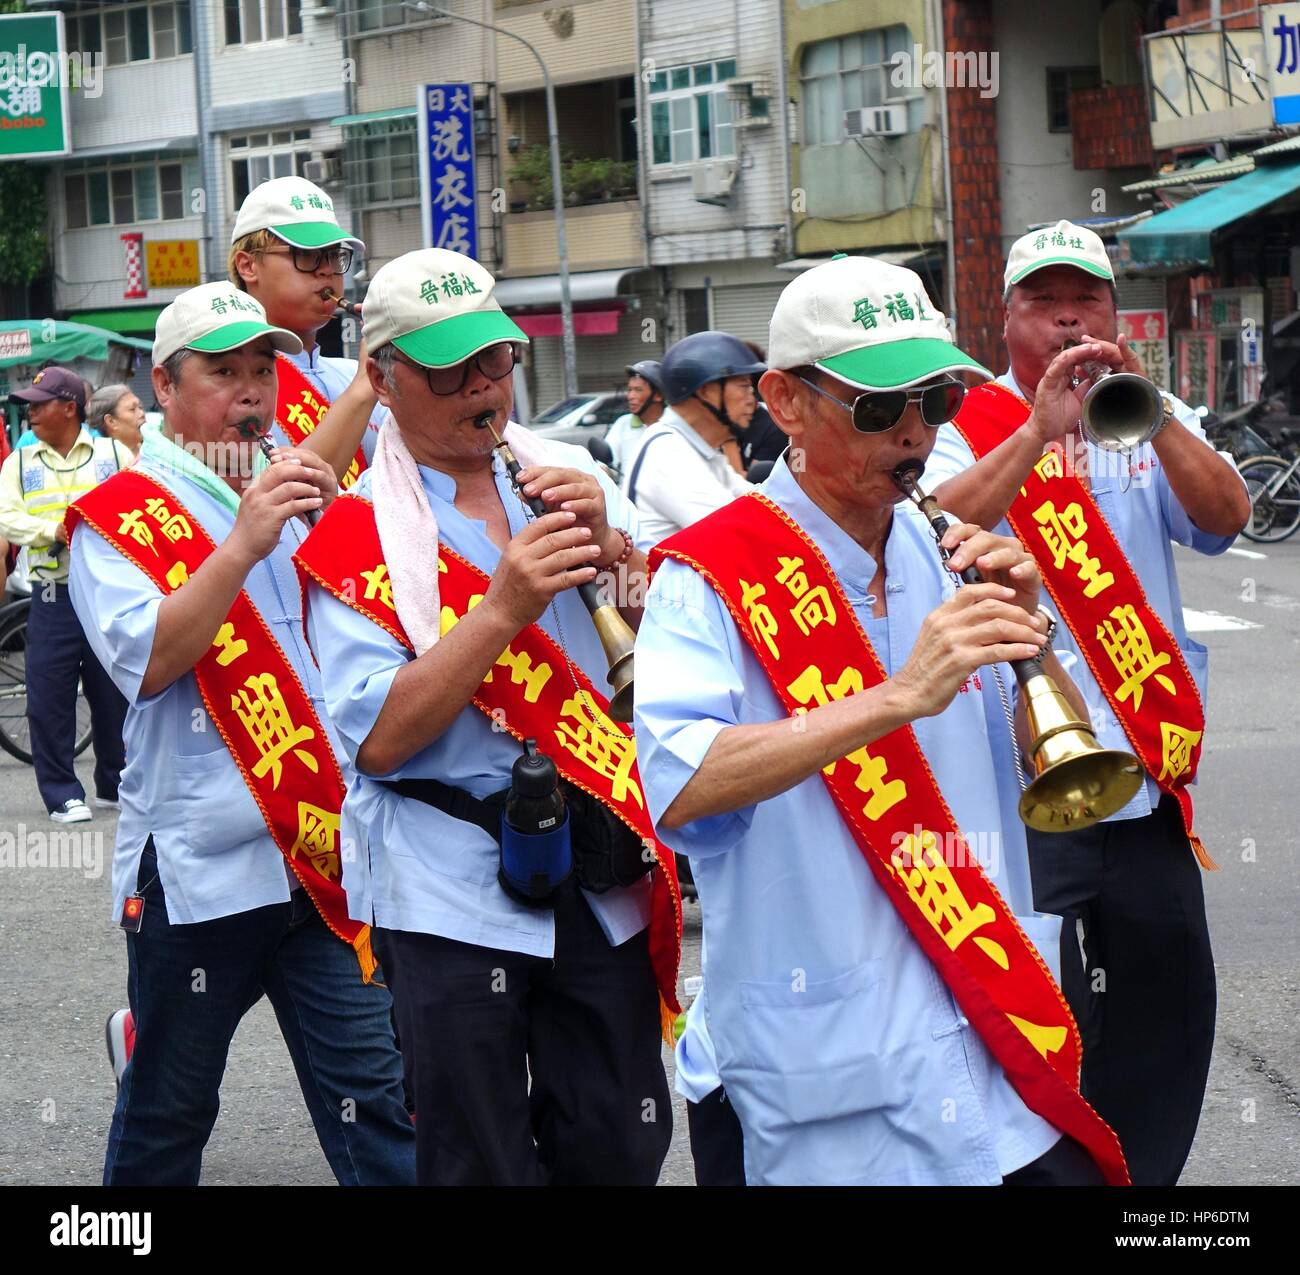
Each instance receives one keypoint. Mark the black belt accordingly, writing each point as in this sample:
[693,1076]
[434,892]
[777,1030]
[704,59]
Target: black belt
[484,813]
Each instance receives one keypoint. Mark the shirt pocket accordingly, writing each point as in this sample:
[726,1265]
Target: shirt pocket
[816,1045]
[1197,659]
[218,810]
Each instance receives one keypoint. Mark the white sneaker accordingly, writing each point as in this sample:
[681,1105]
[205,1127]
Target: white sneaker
[74,810]
[107,803]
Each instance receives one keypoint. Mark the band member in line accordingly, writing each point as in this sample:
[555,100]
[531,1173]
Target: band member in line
[289,253]
[226,872]
[820,719]
[1101,526]
[530,1000]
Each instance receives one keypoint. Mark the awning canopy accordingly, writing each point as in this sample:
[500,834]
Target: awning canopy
[140,319]
[894,256]
[369,117]
[35,341]
[585,322]
[1184,233]
[544,290]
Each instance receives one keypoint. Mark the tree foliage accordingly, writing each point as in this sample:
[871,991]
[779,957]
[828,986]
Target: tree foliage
[23,246]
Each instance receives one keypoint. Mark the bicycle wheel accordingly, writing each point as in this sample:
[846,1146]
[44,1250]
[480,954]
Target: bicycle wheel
[1274,508]
[15,737]
[15,731]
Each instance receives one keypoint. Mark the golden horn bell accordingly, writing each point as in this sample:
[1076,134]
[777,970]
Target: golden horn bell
[1076,781]
[617,639]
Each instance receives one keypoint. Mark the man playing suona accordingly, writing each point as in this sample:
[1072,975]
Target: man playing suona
[530,1004]
[820,718]
[226,872]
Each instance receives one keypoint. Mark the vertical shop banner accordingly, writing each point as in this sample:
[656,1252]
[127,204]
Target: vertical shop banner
[1197,354]
[445,115]
[133,259]
[34,74]
[1281,25]
[1147,332]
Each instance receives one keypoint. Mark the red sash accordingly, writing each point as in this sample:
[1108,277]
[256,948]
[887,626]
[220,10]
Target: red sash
[299,409]
[1135,659]
[791,609]
[251,692]
[538,698]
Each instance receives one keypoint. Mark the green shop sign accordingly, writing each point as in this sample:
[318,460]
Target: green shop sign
[35,74]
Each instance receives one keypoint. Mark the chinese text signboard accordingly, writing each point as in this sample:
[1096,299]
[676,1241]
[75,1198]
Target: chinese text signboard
[1196,357]
[34,75]
[172,263]
[1281,24]
[445,114]
[1147,332]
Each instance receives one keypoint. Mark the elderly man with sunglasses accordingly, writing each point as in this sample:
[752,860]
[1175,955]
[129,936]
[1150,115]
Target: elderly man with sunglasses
[824,726]
[448,630]
[288,253]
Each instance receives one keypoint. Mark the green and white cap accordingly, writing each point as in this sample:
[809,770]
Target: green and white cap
[213,318]
[1064,244]
[867,322]
[295,210]
[437,307]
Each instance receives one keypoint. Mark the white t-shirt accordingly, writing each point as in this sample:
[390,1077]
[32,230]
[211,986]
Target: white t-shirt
[681,479]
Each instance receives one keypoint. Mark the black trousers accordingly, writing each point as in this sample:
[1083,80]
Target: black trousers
[717,1141]
[529,1071]
[57,655]
[1144,992]
[1066,1164]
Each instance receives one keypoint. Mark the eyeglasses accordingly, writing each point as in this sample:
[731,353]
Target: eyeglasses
[495,362]
[879,410]
[309,260]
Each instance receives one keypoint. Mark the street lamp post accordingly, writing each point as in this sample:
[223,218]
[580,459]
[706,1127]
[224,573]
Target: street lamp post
[561,238]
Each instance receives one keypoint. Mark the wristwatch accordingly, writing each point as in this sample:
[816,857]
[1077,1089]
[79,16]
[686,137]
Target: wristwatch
[1051,633]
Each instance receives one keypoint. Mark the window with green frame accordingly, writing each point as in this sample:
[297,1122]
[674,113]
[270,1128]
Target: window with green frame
[380,163]
[690,113]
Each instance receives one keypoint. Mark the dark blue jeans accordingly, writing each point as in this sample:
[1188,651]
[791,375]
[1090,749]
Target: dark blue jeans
[57,655]
[189,985]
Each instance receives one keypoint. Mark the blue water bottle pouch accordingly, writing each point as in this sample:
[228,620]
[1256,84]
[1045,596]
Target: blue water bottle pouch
[534,865]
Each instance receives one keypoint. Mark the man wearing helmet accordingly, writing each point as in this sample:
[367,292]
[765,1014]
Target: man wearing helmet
[689,464]
[645,405]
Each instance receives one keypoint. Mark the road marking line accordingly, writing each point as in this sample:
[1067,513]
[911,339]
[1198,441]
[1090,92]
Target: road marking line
[1214,622]
[1247,553]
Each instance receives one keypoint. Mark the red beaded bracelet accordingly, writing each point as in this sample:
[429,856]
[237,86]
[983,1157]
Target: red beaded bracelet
[628,546]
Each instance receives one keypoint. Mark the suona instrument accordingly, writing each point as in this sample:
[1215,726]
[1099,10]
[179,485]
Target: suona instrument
[616,636]
[1121,410]
[1076,782]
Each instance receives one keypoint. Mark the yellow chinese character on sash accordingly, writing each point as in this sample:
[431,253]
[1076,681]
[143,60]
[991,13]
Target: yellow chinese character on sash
[157,508]
[353,473]
[177,574]
[1130,651]
[813,606]
[930,884]
[174,526]
[318,839]
[1177,743]
[301,417]
[885,794]
[1048,465]
[378,585]
[599,745]
[317,408]
[448,619]
[265,716]
[810,688]
[761,619]
[231,646]
[1047,1040]
[133,525]
[1064,534]
[523,672]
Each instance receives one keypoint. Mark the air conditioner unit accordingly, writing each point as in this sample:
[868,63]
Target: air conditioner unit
[323,171]
[876,121]
[712,181]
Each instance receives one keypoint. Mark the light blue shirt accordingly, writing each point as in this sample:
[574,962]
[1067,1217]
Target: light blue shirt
[417,868]
[215,855]
[623,436]
[331,377]
[1135,498]
[847,1059]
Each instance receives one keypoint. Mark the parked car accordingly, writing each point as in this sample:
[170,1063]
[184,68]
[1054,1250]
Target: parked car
[582,417]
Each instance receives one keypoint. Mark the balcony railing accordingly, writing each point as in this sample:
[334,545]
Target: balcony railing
[586,180]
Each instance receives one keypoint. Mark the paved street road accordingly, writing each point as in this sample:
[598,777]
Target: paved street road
[63,965]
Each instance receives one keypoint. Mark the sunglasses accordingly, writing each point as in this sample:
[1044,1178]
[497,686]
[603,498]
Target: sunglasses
[309,260]
[495,362]
[879,410]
